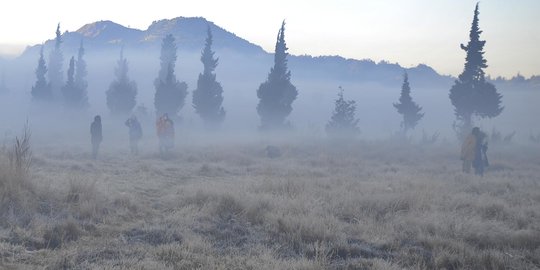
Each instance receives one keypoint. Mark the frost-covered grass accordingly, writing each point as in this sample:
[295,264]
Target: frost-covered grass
[321,205]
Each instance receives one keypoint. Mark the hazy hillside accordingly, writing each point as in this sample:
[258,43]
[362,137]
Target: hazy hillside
[518,82]
[106,36]
[189,32]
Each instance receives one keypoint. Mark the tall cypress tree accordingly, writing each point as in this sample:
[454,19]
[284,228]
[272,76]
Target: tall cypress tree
[208,97]
[74,97]
[56,60]
[41,91]
[167,56]
[277,93]
[170,93]
[80,71]
[407,107]
[343,122]
[122,91]
[471,94]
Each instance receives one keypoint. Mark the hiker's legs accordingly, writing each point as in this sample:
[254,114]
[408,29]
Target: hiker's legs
[95,149]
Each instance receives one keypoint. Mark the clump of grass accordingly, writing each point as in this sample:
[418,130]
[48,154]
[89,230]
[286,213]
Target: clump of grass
[17,194]
[84,201]
[80,191]
[61,234]
[20,154]
[228,206]
[257,210]
[152,236]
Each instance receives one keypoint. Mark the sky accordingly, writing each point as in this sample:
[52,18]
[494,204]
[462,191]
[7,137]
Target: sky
[408,32]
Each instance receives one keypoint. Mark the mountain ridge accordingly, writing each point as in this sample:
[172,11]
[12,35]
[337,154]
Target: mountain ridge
[190,33]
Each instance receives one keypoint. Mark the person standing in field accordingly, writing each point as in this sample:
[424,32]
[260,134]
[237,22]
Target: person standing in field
[135,134]
[480,161]
[165,132]
[96,135]
[474,152]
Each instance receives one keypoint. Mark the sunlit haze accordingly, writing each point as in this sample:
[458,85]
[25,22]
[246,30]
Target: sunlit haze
[175,134]
[406,32]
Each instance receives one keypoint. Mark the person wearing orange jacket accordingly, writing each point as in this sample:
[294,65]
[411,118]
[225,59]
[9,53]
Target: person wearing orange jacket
[165,132]
[474,152]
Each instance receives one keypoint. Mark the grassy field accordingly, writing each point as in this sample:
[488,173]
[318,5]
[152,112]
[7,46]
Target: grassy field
[321,205]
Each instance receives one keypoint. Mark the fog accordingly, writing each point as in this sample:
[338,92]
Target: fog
[240,76]
[268,187]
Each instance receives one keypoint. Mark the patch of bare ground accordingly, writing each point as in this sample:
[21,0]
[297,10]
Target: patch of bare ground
[319,205]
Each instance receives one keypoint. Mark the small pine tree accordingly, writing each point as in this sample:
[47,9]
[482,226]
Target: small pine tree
[343,122]
[471,94]
[170,93]
[41,91]
[277,93]
[74,97]
[407,107]
[56,60]
[122,91]
[208,97]
[80,71]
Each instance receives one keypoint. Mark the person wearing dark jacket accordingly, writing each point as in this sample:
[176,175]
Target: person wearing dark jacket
[96,135]
[135,134]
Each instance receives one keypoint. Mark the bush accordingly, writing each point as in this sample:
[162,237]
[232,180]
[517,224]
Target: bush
[20,155]
[16,192]
[61,234]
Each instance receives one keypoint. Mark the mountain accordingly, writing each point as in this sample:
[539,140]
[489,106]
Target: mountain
[190,33]
[350,70]
[517,82]
[106,32]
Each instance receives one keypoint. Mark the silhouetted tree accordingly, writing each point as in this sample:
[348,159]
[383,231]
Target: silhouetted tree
[41,91]
[407,107]
[277,94]
[170,93]
[343,122]
[56,60]
[74,97]
[471,94]
[208,97]
[122,91]
[80,71]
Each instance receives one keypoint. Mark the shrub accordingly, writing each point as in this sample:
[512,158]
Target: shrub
[20,155]
[16,192]
[61,234]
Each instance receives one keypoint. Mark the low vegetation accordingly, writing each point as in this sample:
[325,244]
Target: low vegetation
[318,205]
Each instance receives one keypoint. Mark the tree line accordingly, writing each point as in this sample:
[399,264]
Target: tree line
[471,95]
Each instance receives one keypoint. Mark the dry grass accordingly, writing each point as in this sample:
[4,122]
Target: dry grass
[16,190]
[321,205]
